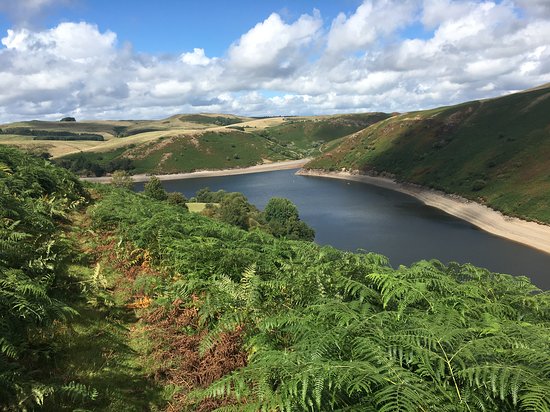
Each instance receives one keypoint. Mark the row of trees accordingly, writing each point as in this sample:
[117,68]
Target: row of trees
[280,217]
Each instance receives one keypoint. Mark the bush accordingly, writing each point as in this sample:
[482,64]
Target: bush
[153,189]
[122,179]
[178,199]
[283,220]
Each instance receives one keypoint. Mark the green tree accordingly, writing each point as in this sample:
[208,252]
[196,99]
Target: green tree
[235,209]
[284,221]
[178,199]
[122,179]
[153,189]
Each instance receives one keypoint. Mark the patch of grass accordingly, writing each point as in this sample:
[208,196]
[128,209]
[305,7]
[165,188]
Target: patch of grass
[198,207]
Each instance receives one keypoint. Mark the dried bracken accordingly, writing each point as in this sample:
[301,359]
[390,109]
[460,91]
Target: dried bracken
[176,337]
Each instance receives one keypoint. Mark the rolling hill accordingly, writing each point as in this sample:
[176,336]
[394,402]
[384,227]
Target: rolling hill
[494,151]
[181,143]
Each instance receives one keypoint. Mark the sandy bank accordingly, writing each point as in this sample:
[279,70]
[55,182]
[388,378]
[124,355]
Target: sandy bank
[528,233]
[266,167]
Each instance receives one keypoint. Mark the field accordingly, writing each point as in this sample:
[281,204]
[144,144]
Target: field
[197,207]
[493,151]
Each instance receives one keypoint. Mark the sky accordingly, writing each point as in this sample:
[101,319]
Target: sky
[106,59]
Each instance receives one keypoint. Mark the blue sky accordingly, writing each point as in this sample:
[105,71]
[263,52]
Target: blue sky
[143,59]
[171,26]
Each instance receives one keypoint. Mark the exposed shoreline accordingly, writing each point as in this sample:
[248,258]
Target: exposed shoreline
[528,233]
[265,167]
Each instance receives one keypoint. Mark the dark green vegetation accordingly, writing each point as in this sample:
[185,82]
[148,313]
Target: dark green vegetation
[112,300]
[35,199]
[218,120]
[50,134]
[495,151]
[308,135]
[280,217]
[208,150]
[27,128]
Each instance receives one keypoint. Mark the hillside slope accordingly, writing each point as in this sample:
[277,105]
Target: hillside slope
[180,143]
[116,301]
[494,151]
[245,143]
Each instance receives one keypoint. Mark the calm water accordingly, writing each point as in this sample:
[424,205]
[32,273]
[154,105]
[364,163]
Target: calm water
[353,215]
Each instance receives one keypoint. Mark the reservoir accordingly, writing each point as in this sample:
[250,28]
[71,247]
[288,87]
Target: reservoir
[354,215]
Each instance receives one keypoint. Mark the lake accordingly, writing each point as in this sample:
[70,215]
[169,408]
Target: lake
[354,215]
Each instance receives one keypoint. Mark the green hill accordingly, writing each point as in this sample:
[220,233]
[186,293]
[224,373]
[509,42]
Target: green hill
[112,300]
[181,143]
[495,151]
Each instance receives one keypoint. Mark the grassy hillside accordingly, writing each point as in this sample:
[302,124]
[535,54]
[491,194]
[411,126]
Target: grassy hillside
[495,151]
[114,301]
[310,133]
[22,134]
[184,143]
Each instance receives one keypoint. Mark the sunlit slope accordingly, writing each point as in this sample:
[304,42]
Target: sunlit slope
[496,151]
[239,143]
[33,135]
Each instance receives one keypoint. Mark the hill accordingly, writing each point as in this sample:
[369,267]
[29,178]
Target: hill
[494,151]
[181,143]
[112,300]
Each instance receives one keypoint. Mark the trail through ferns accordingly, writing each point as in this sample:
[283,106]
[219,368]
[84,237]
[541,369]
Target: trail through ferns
[112,300]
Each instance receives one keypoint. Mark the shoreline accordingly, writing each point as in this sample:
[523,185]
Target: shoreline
[531,234]
[264,167]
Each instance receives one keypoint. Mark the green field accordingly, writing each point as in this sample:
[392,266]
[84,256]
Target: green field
[493,151]
[197,207]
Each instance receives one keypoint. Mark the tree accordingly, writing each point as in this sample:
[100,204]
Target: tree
[234,209]
[122,179]
[283,220]
[68,119]
[153,189]
[178,199]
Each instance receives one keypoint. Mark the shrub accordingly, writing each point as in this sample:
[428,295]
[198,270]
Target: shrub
[122,179]
[153,189]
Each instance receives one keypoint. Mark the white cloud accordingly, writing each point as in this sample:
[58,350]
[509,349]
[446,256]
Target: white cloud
[274,46]
[372,20]
[73,41]
[195,58]
[469,49]
[537,8]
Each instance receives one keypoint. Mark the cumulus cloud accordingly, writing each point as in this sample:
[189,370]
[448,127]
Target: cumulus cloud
[273,46]
[358,62]
[373,20]
[195,58]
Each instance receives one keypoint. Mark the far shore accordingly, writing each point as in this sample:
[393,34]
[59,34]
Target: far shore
[265,167]
[528,233]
